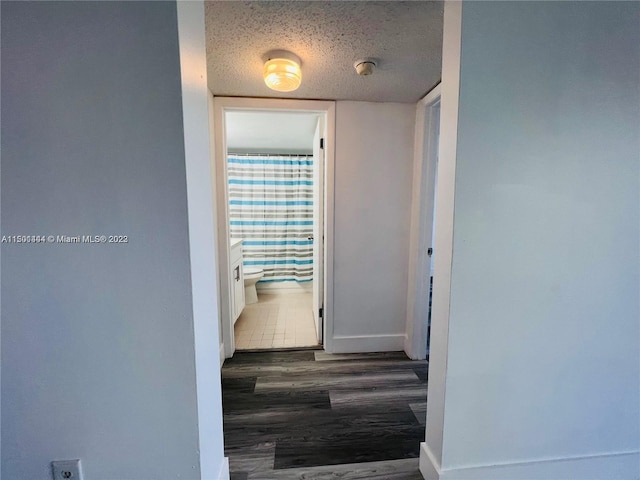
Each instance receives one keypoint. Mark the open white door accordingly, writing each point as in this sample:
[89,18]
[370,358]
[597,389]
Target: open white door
[426,149]
[318,230]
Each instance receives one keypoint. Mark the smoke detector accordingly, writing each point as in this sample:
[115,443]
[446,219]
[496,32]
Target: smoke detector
[364,66]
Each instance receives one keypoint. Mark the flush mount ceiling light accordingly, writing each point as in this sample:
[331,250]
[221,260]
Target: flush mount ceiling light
[282,71]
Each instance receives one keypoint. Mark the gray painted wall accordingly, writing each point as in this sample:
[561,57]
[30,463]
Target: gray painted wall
[373,179]
[97,340]
[543,353]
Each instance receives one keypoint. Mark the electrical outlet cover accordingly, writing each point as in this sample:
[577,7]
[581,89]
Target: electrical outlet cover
[66,470]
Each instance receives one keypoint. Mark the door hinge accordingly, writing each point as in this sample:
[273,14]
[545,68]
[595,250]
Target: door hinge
[320,312]
[322,143]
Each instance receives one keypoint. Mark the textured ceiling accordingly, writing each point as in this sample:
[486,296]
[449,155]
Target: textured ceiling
[328,36]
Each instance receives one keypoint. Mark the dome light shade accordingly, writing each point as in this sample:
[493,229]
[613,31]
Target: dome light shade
[282,71]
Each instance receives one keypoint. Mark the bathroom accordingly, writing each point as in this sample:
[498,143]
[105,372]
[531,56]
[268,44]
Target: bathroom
[273,191]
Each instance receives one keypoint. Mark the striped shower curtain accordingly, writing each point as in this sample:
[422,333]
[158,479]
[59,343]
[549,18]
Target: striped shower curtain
[271,209]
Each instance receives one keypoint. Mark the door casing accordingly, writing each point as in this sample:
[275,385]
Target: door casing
[221,105]
[318,229]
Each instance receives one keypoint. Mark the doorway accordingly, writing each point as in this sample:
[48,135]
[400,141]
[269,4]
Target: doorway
[423,221]
[274,162]
[272,198]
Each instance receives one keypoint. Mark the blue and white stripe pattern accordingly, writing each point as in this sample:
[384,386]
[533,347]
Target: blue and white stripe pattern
[271,209]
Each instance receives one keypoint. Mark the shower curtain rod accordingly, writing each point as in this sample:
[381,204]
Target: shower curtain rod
[271,154]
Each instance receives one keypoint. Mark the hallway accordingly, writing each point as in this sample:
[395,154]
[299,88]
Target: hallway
[312,415]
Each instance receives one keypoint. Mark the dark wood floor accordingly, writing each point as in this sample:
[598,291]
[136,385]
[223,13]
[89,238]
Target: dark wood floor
[311,415]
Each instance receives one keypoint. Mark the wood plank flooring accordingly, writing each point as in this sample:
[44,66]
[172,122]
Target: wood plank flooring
[310,415]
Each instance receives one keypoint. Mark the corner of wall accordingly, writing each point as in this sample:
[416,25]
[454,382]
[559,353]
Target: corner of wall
[429,467]
[204,267]
[224,470]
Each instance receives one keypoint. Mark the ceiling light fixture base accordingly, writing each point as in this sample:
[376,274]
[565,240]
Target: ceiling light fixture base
[273,54]
[365,66]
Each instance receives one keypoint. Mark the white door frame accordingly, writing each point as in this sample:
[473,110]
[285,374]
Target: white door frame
[424,181]
[222,105]
[318,229]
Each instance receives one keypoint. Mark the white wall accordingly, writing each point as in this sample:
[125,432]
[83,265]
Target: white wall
[543,354]
[443,247]
[97,340]
[197,112]
[373,178]
[284,288]
[270,132]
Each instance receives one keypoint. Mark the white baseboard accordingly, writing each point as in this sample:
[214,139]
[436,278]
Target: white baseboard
[611,466]
[429,466]
[368,343]
[224,470]
[222,356]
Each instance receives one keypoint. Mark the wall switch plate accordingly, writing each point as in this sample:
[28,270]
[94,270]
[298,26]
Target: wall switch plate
[67,470]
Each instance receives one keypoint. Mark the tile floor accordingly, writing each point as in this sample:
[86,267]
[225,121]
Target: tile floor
[276,321]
